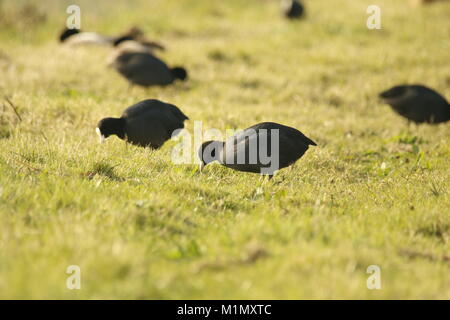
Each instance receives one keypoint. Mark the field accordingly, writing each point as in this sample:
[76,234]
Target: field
[373,192]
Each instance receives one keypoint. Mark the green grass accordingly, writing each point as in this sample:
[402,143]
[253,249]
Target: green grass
[374,191]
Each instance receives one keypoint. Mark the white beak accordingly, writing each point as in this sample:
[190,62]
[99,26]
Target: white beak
[102,137]
[201,166]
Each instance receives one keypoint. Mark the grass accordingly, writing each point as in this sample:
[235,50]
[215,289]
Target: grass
[374,191]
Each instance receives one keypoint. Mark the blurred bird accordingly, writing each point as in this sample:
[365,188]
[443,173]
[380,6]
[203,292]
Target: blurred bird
[130,44]
[417,103]
[148,123]
[422,2]
[246,145]
[78,37]
[292,9]
[144,69]
[135,39]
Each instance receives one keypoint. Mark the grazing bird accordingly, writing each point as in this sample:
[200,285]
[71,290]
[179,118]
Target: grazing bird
[135,39]
[138,35]
[128,43]
[148,123]
[292,9]
[417,103]
[248,150]
[74,37]
[78,37]
[144,69]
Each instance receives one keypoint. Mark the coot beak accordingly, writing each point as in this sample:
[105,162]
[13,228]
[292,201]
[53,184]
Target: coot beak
[201,166]
[102,137]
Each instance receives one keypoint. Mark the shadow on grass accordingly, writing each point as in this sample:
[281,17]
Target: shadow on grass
[102,169]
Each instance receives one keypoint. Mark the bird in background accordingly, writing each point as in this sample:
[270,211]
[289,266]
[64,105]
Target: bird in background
[135,39]
[145,69]
[423,2]
[245,145]
[149,123]
[417,103]
[292,9]
[76,37]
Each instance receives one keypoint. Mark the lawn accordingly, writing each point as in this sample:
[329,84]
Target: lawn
[375,191]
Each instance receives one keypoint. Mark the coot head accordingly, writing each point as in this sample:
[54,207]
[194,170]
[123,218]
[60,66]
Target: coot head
[209,152]
[66,33]
[394,93]
[109,126]
[179,73]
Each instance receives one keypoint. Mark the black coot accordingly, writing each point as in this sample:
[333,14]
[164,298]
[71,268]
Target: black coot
[254,149]
[292,9]
[417,103]
[148,123]
[144,69]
